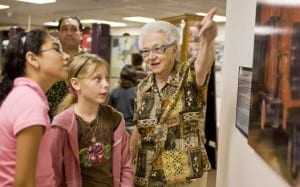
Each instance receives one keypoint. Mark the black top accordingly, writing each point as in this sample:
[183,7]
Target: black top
[122,99]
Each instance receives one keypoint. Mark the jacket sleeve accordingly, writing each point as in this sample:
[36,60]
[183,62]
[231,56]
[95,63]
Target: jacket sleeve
[126,159]
[58,140]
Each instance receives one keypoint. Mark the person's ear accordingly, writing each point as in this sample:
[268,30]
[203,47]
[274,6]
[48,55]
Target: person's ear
[75,83]
[32,59]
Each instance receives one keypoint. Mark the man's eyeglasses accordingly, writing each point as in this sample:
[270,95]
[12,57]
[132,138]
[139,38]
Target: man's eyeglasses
[156,50]
[59,50]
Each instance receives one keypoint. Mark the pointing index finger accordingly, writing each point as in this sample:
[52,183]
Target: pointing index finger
[211,13]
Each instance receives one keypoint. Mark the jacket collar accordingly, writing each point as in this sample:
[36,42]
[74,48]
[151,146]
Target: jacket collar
[65,120]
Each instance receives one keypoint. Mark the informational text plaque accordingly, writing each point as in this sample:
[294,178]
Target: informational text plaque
[243,99]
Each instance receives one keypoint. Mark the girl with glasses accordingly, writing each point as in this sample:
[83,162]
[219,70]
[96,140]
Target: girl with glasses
[31,64]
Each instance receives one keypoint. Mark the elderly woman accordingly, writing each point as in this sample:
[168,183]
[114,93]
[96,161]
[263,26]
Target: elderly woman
[170,108]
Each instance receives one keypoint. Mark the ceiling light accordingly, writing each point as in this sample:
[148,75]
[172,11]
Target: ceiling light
[139,19]
[111,23]
[38,1]
[51,23]
[216,18]
[4,6]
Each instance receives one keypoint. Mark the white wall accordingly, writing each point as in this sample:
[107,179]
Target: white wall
[221,32]
[238,163]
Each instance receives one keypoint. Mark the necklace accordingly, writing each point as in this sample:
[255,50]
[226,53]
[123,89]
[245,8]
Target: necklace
[93,132]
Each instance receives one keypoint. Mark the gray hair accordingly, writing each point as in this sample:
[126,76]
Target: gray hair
[166,28]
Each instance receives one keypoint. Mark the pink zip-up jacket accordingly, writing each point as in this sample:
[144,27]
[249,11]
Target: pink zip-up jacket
[65,152]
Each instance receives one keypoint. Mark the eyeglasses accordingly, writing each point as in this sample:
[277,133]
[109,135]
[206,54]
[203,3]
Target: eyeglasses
[59,50]
[156,50]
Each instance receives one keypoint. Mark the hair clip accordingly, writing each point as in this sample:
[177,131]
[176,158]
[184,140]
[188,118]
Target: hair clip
[72,92]
[23,40]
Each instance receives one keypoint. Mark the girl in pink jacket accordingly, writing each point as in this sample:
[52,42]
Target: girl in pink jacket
[90,144]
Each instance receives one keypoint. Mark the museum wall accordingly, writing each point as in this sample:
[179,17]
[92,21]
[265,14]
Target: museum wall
[238,164]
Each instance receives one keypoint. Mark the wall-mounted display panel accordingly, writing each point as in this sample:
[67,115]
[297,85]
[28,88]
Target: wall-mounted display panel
[243,99]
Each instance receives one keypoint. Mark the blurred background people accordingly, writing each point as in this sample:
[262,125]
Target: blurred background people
[137,61]
[122,97]
[32,63]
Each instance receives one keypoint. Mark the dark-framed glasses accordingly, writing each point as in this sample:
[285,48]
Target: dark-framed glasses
[160,49]
[57,49]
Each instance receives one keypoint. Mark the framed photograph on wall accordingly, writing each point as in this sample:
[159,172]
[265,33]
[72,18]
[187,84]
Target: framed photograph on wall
[274,129]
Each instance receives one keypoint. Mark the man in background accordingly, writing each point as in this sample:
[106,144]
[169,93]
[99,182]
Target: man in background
[69,35]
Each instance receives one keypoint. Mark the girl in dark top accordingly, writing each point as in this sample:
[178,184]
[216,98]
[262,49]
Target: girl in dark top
[122,97]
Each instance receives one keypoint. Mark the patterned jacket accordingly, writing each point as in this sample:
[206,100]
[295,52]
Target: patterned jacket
[171,127]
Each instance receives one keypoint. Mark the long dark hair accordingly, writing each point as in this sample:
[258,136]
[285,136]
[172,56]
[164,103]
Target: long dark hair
[13,61]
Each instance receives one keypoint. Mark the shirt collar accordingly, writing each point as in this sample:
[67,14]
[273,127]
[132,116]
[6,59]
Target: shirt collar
[173,78]
[23,81]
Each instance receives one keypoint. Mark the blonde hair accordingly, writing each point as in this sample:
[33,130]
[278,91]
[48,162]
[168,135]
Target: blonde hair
[80,67]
